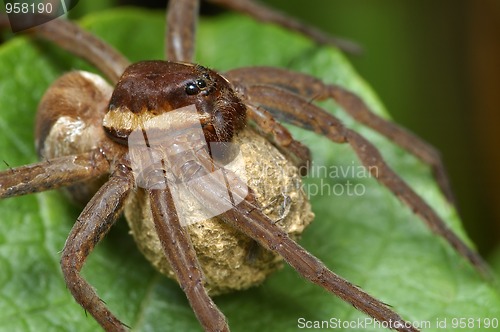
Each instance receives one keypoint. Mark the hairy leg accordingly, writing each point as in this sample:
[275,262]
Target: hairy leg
[265,14]
[298,153]
[182,257]
[91,226]
[82,43]
[247,217]
[312,88]
[78,41]
[298,111]
[182,17]
[52,174]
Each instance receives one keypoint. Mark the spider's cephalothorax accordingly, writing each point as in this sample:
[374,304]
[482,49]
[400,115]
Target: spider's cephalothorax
[150,88]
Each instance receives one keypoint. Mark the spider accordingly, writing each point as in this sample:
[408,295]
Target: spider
[259,94]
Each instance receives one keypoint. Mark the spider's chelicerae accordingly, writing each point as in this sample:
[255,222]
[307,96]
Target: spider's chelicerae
[132,147]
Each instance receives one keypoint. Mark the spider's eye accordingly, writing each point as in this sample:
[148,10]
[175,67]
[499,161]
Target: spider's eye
[201,83]
[192,88]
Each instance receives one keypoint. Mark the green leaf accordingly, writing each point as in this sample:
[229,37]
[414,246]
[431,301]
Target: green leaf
[367,236]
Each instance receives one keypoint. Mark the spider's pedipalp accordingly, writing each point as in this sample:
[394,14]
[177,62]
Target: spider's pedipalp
[312,88]
[91,226]
[294,109]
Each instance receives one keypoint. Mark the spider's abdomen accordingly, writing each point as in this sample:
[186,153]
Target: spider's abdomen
[230,260]
[69,122]
[69,117]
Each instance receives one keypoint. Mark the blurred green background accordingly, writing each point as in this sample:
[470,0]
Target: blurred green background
[436,66]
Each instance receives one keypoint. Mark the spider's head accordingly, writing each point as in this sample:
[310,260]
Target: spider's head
[149,89]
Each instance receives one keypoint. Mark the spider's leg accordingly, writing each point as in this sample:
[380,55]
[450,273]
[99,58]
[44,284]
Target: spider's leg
[78,41]
[182,18]
[312,88]
[52,174]
[247,217]
[399,135]
[265,14]
[182,257]
[90,227]
[300,112]
[298,153]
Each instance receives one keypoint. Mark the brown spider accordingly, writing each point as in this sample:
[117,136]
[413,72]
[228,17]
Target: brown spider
[224,104]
